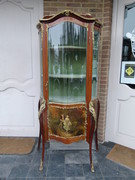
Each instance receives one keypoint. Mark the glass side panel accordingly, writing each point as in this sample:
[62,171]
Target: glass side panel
[95,65]
[67,63]
[128,48]
[41,66]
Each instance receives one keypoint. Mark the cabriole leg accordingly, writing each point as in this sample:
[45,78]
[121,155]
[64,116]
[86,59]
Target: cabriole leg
[90,146]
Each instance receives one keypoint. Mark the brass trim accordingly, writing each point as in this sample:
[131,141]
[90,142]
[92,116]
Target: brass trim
[92,29]
[46,85]
[42,31]
[92,168]
[73,137]
[67,13]
[74,107]
[42,107]
[41,166]
[92,111]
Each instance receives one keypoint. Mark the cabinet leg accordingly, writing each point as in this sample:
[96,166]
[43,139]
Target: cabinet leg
[42,119]
[90,155]
[39,139]
[43,152]
[96,140]
[90,145]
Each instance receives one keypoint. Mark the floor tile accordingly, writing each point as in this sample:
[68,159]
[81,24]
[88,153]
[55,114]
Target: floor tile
[63,165]
[35,178]
[53,178]
[130,178]
[75,178]
[126,171]
[114,178]
[56,170]
[24,159]
[37,158]
[7,159]
[94,178]
[34,171]
[19,171]
[5,170]
[15,178]
[73,170]
[110,169]
[108,144]
[89,174]
[78,157]
[57,157]
[103,150]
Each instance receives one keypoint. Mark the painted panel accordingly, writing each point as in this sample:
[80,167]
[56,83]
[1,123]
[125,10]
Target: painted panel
[67,122]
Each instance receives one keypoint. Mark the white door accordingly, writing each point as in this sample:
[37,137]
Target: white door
[120,126]
[19,67]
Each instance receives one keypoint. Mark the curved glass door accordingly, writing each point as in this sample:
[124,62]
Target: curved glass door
[67,50]
[95,64]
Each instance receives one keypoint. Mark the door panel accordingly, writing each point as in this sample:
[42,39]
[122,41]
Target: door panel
[126,118]
[19,67]
[121,97]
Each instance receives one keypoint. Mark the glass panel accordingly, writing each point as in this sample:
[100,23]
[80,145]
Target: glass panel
[128,49]
[67,63]
[95,65]
[41,67]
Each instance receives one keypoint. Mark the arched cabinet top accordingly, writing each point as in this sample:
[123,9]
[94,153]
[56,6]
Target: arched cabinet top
[67,14]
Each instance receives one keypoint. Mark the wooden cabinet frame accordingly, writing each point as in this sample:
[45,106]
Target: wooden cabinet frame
[91,109]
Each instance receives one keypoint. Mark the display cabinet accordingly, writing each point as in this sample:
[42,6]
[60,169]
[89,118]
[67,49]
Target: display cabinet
[69,58]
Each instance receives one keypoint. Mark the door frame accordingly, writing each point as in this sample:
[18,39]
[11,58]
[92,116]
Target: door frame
[114,75]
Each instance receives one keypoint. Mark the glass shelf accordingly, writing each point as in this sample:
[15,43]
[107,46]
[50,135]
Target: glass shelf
[67,90]
[77,76]
[67,47]
[70,100]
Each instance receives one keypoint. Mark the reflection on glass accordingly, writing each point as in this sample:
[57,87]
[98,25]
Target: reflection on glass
[128,53]
[41,69]
[128,48]
[67,63]
[95,65]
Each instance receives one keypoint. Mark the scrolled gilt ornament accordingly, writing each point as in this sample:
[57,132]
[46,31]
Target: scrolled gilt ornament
[92,111]
[67,12]
[42,106]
